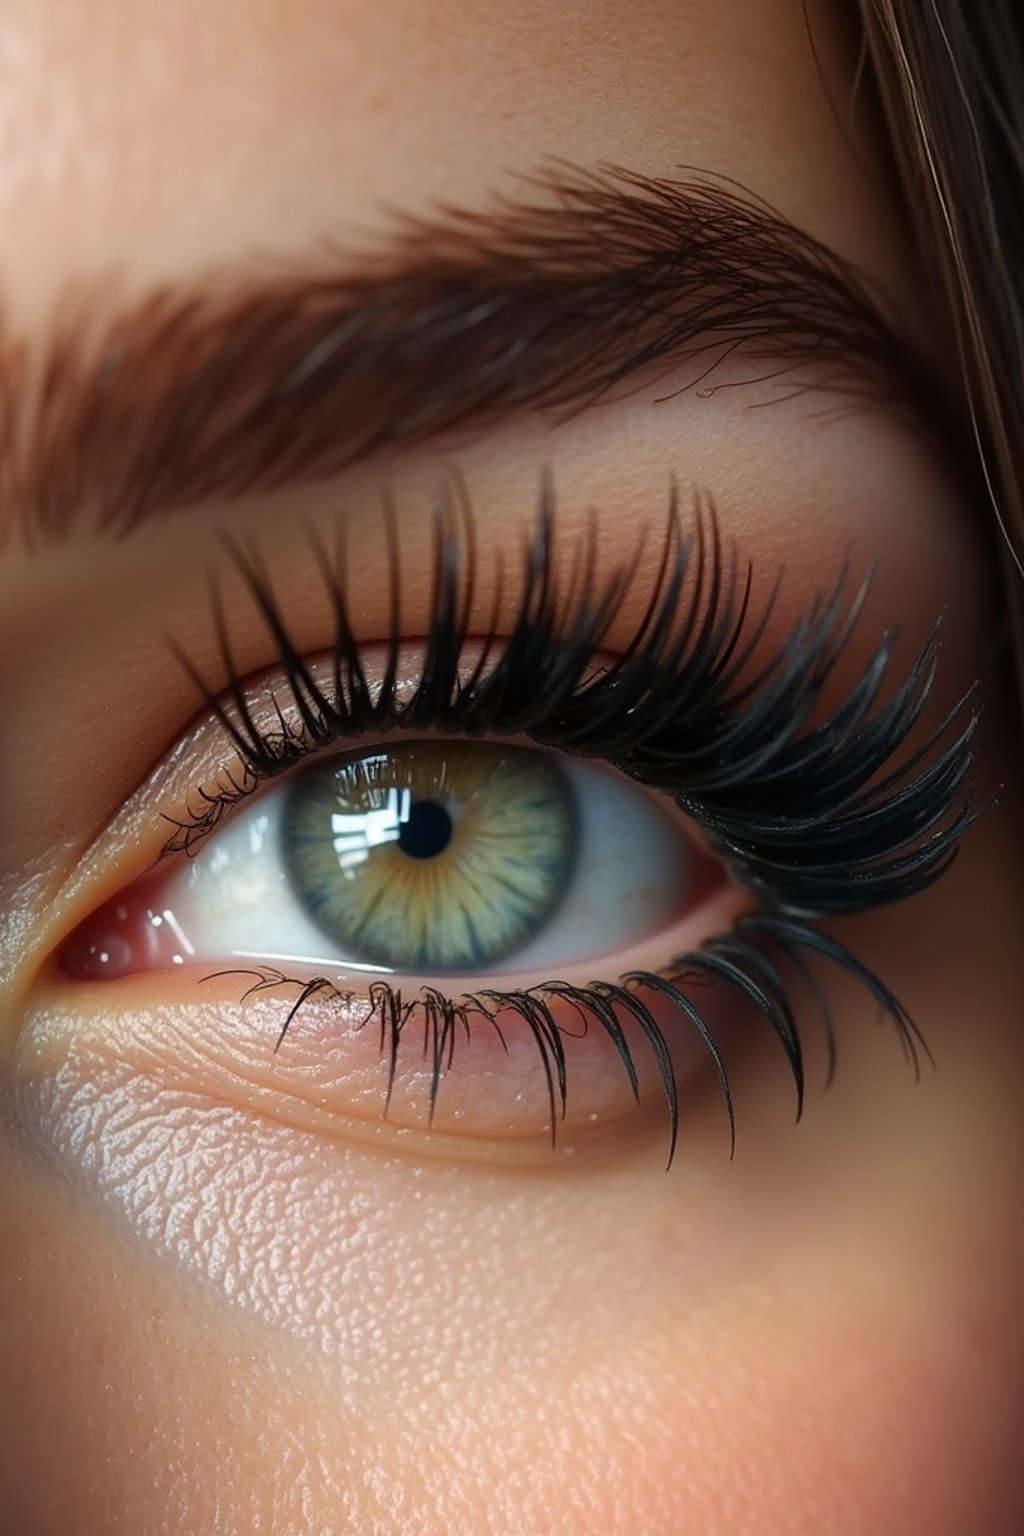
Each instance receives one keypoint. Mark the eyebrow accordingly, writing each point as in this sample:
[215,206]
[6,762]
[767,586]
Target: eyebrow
[253,377]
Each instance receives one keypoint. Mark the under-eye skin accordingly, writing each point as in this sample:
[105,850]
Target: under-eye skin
[806,801]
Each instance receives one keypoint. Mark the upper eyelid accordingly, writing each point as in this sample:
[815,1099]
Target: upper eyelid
[135,829]
[133,825]
[546,602]
[698,633]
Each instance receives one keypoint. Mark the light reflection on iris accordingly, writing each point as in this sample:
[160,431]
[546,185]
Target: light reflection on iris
[354,834]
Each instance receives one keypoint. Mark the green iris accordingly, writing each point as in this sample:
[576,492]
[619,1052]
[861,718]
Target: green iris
[431,856]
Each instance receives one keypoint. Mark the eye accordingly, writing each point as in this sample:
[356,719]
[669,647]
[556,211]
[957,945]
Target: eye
[540,879]
[424,858]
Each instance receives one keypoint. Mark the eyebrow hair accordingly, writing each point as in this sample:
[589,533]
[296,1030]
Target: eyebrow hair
[245,380]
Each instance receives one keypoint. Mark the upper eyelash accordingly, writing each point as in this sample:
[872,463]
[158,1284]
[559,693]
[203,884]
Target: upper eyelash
[813,818]
[815,821]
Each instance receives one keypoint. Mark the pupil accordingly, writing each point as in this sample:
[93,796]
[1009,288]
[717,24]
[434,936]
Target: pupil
[427,832]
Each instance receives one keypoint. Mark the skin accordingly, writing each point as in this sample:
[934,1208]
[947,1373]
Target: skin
[223,1309]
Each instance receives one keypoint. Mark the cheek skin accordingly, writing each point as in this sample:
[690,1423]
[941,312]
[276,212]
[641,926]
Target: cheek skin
[876,1359]
[813,1338]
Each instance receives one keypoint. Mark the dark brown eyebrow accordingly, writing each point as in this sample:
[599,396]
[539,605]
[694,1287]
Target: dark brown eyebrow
[257,376]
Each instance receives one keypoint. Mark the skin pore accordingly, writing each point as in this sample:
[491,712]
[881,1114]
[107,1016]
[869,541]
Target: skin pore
[220,1312]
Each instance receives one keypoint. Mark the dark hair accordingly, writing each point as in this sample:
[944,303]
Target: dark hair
[950,74]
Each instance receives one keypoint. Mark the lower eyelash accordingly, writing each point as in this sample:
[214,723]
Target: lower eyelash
[749,961]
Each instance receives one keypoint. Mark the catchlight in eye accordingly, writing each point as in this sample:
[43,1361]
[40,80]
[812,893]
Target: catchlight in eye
[433,857]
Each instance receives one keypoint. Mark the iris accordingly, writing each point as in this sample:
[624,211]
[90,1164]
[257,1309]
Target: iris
[434,857]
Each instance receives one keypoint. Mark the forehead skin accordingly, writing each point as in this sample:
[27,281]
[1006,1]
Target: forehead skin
[800,1342]
[158,138]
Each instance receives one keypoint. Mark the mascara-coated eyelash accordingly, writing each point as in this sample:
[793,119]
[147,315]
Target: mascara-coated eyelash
[800,813]
[815,813]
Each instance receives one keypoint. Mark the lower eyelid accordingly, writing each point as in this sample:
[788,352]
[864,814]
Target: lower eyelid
[330,1075]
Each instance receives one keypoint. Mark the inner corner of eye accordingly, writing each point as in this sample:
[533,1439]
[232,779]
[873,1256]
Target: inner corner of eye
[417,861]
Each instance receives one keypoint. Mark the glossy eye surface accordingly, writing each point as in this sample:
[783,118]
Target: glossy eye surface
[431,857]
[424,857]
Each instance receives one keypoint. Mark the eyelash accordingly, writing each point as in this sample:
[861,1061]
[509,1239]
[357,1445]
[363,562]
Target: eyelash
[812,818]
